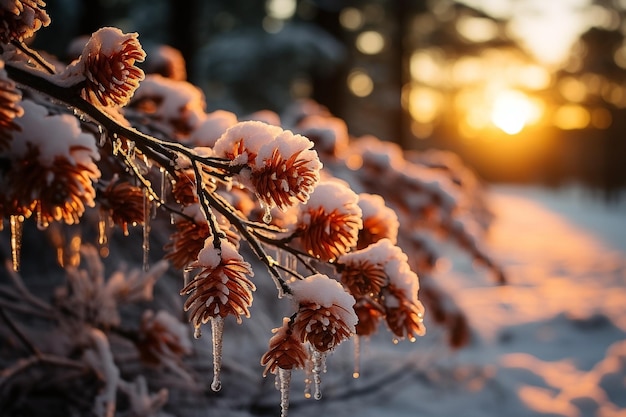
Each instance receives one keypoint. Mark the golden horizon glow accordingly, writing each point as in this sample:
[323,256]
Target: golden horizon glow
[571,117]
[512,111]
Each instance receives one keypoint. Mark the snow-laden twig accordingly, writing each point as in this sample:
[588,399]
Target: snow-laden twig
[105,402]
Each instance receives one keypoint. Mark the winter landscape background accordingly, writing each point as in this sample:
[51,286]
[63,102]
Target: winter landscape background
[552,340]
[550,343]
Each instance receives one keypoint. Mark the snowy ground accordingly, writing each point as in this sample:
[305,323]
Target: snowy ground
[551,343]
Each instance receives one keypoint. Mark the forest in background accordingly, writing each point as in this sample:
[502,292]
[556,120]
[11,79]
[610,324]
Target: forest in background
[252,55]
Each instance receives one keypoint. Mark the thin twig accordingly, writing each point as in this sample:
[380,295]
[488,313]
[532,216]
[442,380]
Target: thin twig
[224,208]
[19,333]
[34,55]
[19,306]
[24,292]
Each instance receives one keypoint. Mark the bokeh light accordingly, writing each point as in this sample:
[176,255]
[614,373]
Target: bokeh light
[370,42]
[360,83]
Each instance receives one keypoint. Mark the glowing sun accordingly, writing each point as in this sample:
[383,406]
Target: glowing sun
[512,110]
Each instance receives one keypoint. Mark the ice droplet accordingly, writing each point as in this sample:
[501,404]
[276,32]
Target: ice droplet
[267,215]
[217,329]
[146,229]
[318,365]
[285,379]
[197,333]
[17,224]
[357,357]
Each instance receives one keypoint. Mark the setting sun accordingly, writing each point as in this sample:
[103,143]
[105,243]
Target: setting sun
[512,110]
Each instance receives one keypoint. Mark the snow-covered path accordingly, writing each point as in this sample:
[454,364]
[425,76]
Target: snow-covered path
[551,343]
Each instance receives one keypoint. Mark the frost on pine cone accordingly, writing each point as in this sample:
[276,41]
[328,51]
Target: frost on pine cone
[329,223]
[381,280]
[107,65]
[286,350]
[280,168]
[53,167]
[221,287]
[20,19]
[325,316]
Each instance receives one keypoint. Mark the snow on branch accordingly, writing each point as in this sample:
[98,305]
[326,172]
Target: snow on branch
[100,145]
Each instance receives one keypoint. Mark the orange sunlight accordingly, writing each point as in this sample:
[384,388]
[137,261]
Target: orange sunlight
[512,111]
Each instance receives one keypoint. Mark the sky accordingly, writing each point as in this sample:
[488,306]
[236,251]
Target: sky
[547,28]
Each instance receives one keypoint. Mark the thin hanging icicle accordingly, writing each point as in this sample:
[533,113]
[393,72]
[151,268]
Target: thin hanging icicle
[318,366]
[357,357]
[162,191]
[17,225]
[104,224]
[285,380]
[146,229]
[291,261]
[102,140]
[217,329]
[186,274]
[42,222]
[308,375]
[197,332]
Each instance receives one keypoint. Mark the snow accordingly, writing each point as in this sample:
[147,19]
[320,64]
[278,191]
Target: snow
[107,40]
[380,253]
[212,127]
[334,195]
[288,144]
[322,290]
[177,99]
[328,293]
[550,343]
[54,136]
[253,134]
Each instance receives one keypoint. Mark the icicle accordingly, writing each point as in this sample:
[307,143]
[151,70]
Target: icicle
[357,357]
[42,223]
[308,378]
[157,203]
[279,255]
[217,328]
[197,333]
[102,230]
[318,365]
[104,225]
[17,223]
[285,379]
[291,261]
[186,275]
[277,382]
[146,229]
[102,140]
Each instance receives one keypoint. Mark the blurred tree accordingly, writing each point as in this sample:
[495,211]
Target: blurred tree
[598,67]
